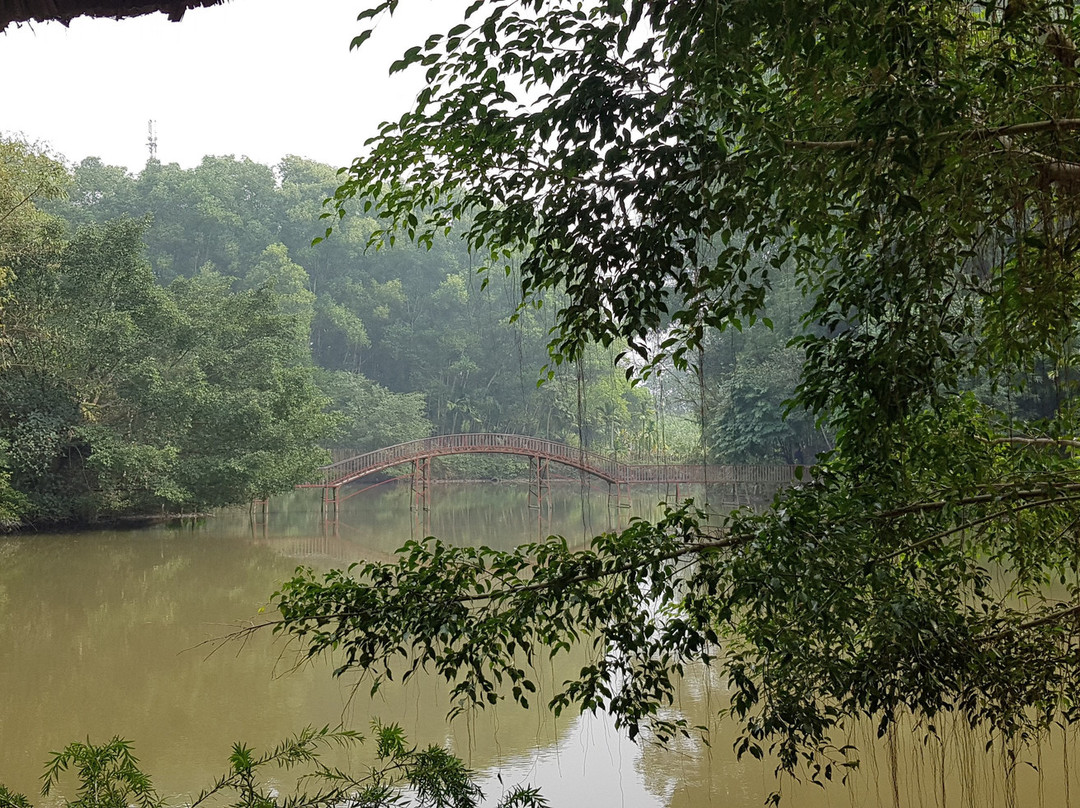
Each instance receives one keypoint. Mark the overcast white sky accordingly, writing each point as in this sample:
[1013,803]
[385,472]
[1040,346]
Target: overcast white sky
[262,78]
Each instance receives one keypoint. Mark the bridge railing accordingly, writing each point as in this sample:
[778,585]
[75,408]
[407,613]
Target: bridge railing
[470,442]
[353,466]
[701,474]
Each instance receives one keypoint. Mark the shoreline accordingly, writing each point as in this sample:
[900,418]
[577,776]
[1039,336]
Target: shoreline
[126,522]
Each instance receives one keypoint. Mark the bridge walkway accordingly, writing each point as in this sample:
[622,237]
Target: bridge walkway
[358,466]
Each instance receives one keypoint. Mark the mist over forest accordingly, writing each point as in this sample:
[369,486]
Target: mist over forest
[174,340]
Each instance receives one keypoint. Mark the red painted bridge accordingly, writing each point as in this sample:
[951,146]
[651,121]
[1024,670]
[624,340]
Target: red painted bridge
[542,452]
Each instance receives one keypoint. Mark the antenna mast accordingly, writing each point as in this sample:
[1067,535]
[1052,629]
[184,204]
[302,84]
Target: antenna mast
[151,139]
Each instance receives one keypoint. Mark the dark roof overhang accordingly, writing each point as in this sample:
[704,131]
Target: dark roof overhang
[19,11]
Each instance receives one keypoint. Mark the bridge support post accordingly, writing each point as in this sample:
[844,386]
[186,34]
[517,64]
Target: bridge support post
[330,502]
[538,482]
[329,527]
[619,494]
[260,510]
[420,504]
[421,484]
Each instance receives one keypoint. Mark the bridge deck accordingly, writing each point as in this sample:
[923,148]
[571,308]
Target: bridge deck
[362,465]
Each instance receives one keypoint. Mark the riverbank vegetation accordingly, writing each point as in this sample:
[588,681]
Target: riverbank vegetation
[108,775]
[119,395]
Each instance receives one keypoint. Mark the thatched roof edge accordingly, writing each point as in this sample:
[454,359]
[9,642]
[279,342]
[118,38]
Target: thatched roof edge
[66,10]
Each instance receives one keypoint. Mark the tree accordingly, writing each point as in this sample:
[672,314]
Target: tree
[372,416]
[28,177]
[289,282]
[224,212]
[751,375]
[913,164]
[120,396]
[98,192]
[81,324]
[247,415]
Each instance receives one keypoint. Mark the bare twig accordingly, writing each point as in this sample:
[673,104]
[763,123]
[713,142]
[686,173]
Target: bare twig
[974,523]
[25,199]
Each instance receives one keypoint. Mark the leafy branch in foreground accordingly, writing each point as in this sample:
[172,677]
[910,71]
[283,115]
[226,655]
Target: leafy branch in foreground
[9,799]
[843,603]
[910,169]
[109,776]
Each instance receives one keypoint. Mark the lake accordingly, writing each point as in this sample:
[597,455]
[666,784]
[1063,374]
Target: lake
[112,633]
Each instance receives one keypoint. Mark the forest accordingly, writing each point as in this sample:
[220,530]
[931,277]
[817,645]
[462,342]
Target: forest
[174,341]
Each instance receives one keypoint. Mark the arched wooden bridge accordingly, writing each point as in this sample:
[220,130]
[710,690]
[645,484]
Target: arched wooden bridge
[541,451]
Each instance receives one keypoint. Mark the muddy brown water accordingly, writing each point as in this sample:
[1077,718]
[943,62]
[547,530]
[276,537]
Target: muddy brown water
[110,633]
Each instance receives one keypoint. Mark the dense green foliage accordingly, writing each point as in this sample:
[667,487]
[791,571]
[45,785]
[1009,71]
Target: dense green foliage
[122,396]
[109,776]
[173,339]
[910,170]
[410,325]
[751,375]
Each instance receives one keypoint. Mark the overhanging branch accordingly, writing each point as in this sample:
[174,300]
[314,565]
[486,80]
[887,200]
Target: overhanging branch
[1045,620]
[981,133]
[1024,441]
[979,499]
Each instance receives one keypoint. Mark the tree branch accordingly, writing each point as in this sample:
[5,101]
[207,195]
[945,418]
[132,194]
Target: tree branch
[1024,441]
[1005,493]
[25,199]
[974,523]
[688,549]
[982,133]
[696,548]
[1046,619]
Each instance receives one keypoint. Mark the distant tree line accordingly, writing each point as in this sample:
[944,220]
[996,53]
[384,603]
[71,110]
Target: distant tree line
[120,395]
[174,340]
[418,332]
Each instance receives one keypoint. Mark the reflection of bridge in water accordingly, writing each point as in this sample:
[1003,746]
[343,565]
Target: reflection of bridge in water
[316,549]
[312,549]
[749,481]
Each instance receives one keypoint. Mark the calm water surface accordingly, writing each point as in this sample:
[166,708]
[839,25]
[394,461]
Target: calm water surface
[111,633]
